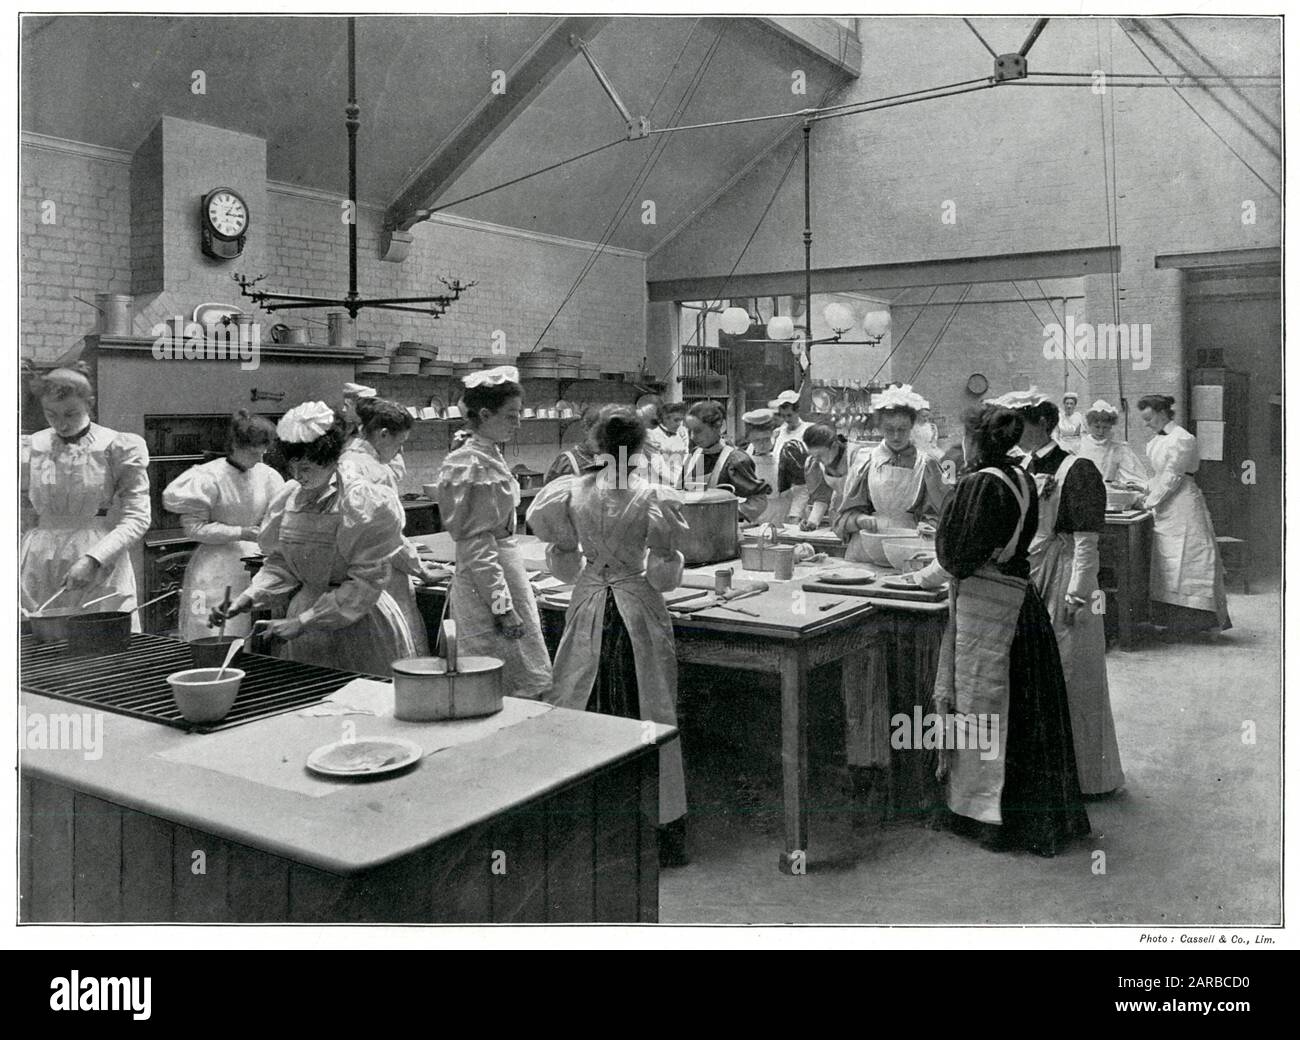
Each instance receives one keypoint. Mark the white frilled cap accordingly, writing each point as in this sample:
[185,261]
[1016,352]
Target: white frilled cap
[357,390]
[1101,406]
[899,397]
[1019,398]
[492,376]
[1070,395]
[759,418]
[305,423]
[784,397]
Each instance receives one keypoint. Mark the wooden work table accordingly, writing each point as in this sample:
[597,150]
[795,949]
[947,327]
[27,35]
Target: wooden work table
[550,818]
[890,647]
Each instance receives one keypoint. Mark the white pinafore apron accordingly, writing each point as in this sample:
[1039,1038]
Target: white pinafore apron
[527,671]
[973,679]
[691,475]
[778,504]
[893,492]
[1082,644]
[308,542]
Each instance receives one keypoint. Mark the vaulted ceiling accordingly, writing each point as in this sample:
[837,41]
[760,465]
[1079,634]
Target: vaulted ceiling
[421,80]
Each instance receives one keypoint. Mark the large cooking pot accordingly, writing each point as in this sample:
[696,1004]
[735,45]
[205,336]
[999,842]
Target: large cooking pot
[427,689]
[50,625]
[713,519]
[102,632]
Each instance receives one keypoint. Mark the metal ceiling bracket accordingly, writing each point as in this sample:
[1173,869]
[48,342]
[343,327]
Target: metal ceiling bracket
[636,128]
[1010,66]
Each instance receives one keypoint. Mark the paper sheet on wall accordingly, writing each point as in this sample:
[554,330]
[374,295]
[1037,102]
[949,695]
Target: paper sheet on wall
[1207,403]
[1209,441]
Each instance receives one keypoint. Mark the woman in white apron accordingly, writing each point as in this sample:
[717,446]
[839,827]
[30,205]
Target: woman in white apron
[89,489]
[1187,592]
[384,428]
[491,599]
[222,504]
[1070,426]
[616,541]
[781,470]
[328,539]
[715,464]
[831,458]
[1114,459]
[1009,751]
[895,485]
[1063,560]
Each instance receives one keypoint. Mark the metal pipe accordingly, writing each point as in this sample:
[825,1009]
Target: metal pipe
[353,113]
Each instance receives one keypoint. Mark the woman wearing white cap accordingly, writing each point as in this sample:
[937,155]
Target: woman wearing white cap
[893,486]
[1187,593]
[353,395]
[1064,560]
[782,470]
[1113,457]
[1069,431]
[491,598]
[329,538]
[792,426]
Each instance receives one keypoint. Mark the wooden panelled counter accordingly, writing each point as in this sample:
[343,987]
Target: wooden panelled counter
[549,819]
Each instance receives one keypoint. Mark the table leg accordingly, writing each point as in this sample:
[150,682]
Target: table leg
[794,760]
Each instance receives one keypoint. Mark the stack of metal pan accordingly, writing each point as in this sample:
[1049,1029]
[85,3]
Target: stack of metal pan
[376,362]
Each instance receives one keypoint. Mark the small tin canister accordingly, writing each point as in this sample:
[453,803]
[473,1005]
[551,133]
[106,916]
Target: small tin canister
[722,581]
[784,555]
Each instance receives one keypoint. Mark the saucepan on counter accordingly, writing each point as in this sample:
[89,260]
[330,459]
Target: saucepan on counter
[89,632]
[431,689]
[712,518]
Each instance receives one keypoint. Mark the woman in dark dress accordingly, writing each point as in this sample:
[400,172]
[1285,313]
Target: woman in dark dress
[999,669]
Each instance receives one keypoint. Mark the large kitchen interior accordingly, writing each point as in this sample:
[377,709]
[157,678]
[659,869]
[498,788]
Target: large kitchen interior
[608,469]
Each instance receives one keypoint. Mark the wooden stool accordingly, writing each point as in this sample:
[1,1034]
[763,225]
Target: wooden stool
[1236,548]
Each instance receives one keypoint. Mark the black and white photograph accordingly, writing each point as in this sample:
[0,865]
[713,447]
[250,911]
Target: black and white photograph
[621,468]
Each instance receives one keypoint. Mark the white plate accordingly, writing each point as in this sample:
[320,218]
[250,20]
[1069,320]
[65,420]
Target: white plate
[370,756]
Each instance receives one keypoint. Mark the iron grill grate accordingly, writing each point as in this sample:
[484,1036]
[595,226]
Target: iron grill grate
[134,682]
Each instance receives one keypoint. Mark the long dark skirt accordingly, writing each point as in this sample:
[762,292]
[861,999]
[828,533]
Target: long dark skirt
[1042,807]
[615,690]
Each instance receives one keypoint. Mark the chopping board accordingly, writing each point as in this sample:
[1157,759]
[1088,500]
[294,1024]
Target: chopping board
[878,591]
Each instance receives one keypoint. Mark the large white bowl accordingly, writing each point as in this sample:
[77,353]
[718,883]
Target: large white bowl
[903,553]
[873,542]
[1117,498]
[201,697]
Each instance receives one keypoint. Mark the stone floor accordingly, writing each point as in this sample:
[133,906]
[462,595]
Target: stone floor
[1194,838]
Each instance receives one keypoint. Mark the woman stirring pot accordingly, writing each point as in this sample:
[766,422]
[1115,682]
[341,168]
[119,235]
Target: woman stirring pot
[222,504]
[89,487]
[328,539]
[491,598]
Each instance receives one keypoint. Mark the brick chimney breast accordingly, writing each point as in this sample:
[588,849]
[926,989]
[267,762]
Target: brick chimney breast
[178,163]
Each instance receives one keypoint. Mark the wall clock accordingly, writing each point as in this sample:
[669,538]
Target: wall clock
[223,223]
[977,384]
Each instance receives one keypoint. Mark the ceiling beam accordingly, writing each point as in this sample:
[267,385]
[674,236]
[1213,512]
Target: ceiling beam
[539,65]
[827,38]
[1062,263]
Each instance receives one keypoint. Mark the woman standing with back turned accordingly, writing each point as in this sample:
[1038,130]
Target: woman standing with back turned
[617,656]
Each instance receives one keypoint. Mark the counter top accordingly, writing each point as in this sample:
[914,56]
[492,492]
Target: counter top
[363,824]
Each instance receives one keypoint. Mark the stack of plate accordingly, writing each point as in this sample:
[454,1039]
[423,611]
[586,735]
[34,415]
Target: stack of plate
[437,368]
[424,351]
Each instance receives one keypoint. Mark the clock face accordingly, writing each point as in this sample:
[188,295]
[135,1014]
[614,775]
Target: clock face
[227,214]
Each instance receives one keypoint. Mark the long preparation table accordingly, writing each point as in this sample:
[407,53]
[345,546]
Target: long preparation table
[888,647]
